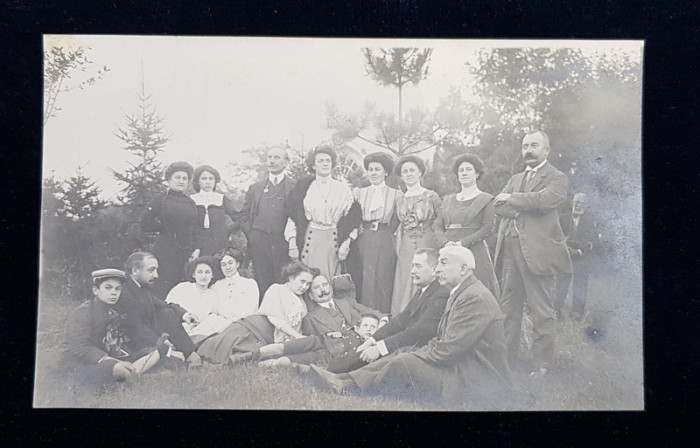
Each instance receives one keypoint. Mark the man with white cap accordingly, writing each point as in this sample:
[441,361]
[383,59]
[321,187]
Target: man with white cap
[96,336]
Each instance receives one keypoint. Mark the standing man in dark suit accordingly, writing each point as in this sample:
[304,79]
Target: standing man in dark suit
[146,316]
[531,249]
[583,243]
[263,219]
[467,355]
[418,322]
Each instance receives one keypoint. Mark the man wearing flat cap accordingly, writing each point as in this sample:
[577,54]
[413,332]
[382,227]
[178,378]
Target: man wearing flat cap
[97,339]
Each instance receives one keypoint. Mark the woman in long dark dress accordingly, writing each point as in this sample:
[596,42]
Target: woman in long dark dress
[416,210]
[174,216]
[467,218]
[213,208]
[277,320]
[375,245]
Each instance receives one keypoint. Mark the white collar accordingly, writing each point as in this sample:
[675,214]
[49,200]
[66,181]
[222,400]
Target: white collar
[378,187]
[527,168]
[323,180]
[279,177]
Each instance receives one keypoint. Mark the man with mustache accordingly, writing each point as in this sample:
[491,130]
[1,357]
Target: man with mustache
[531,249]
[334,327]
[418,322]
[147,317]
[263,219]
[467,356]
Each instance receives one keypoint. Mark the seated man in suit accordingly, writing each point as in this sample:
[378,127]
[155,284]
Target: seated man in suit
[146,316]
[418,322]
[468,354]
[333,328]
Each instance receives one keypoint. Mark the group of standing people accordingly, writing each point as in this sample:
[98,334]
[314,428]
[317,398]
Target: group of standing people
[370,233]
[317,227]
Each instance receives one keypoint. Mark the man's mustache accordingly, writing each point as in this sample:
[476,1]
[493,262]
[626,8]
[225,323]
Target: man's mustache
[325,293]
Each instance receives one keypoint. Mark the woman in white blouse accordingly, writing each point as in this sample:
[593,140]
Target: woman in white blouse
[237,296]
[278,319]
[376,246]
[197,296]
[322,214]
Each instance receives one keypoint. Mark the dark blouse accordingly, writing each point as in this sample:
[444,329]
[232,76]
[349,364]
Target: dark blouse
[465,221]
[212,239]
[174,215]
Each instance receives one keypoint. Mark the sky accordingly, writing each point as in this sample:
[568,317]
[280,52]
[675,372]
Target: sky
[221,95]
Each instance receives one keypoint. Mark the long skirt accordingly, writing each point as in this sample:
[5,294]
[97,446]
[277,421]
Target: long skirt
[378,258]
[237,337]
[410,241]
[321,250]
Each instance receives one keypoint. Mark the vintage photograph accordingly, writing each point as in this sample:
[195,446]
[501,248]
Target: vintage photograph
[340,224]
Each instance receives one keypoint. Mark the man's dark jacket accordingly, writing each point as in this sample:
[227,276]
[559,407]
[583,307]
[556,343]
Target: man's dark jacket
[418,322]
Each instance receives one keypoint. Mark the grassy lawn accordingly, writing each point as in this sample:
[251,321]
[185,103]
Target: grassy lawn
[593,371]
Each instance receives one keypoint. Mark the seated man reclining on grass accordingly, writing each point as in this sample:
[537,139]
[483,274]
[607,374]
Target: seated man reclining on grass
[467,356]
[331,328]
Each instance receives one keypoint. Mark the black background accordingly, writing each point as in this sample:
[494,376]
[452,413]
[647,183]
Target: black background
[671,159]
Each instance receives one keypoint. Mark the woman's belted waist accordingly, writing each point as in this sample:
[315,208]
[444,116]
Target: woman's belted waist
[460,226]
[374,225]
[319,226]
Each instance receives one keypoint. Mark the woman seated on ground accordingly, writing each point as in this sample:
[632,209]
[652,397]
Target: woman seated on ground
[199,298]
[237,296]
[96,337]
[277,320]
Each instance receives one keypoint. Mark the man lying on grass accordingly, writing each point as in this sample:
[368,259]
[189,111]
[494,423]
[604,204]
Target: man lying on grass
[97,338]
[334,327]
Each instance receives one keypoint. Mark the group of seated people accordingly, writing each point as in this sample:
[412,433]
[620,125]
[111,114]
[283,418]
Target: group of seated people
[435,347]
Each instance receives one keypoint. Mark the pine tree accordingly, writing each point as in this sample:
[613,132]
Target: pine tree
[143,136]
[80,199]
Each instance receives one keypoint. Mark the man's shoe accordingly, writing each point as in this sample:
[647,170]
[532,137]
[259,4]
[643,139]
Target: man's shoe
[330,381]
[301,368]
[238,358]
[194,361]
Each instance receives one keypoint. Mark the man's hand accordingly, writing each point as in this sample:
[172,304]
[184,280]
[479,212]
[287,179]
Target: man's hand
[370,354]
[190,318]
[368,343]
[502,197]
[123,371]
[344,250]
[335,334]
[195,254]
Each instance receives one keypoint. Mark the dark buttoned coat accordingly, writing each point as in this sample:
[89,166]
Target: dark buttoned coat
[418,322]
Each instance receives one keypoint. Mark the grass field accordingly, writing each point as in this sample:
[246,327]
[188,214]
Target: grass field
[593,371]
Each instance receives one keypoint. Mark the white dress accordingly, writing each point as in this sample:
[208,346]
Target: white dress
[200,303]
[237,297]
